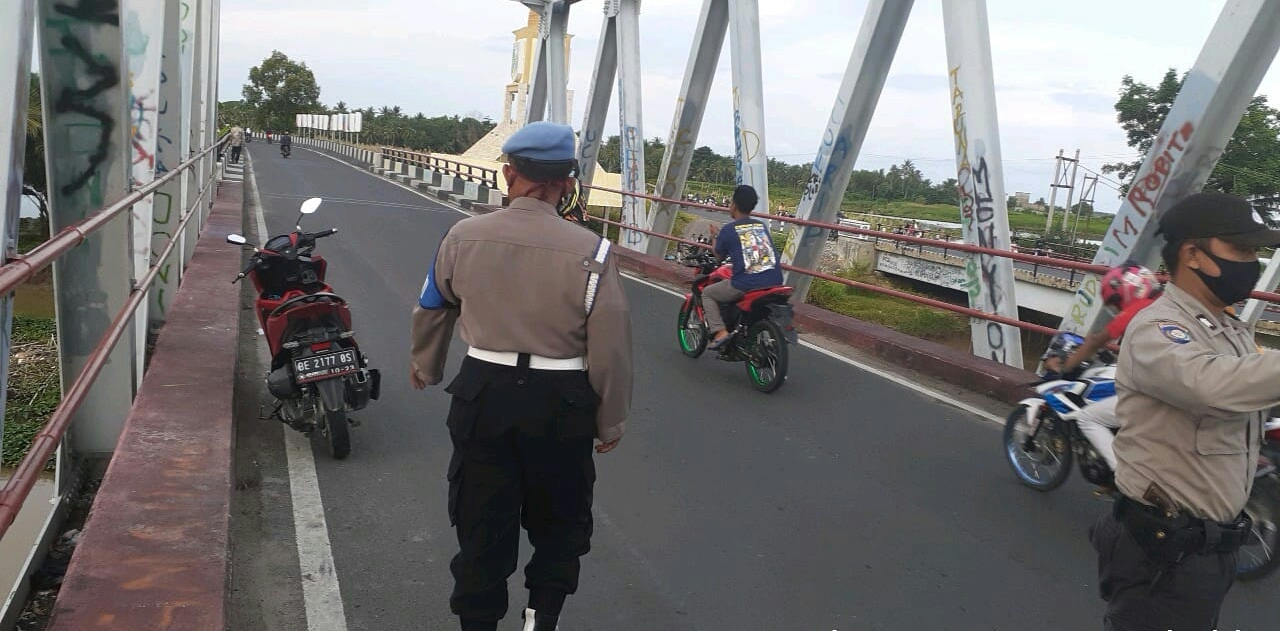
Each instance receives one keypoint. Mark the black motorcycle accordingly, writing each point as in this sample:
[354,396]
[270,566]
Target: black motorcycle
[285,150]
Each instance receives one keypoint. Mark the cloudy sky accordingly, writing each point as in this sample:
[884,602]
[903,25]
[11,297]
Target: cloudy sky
[1058,67]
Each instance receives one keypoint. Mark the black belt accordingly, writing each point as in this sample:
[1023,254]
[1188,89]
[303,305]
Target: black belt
[1184,534]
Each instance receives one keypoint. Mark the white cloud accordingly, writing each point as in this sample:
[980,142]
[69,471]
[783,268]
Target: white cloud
[1057,68]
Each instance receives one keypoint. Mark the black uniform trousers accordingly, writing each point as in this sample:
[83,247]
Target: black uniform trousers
[522,455]
[1146,593]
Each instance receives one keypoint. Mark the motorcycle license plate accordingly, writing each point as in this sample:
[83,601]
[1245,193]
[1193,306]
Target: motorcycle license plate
[325,365]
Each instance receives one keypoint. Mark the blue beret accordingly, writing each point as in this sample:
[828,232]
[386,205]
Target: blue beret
[542,140]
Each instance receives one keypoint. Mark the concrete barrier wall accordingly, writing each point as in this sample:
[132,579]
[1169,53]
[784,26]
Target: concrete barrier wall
[155,551]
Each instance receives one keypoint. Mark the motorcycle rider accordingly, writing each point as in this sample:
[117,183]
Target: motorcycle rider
[1126,290]
[286,143]
[749,246]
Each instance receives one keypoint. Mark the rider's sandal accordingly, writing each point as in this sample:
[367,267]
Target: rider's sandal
[715,344]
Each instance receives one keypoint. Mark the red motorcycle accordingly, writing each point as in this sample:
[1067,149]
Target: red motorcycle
[318,373]
[759,324]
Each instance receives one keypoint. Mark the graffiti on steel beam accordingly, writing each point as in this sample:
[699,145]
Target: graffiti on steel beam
[1147,188]
[143,112]
[104,75]
[631,178]
[160,236]
[978,214]
[744,150]
[831,157]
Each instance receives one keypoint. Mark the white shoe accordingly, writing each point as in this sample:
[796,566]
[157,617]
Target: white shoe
[529,620]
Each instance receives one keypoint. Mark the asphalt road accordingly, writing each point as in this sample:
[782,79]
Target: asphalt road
[842,501]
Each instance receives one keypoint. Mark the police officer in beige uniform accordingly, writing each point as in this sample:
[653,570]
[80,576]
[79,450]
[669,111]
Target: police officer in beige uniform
[1193,390]
[541,306]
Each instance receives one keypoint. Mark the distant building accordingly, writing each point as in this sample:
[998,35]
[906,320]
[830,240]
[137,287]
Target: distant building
[1023,199]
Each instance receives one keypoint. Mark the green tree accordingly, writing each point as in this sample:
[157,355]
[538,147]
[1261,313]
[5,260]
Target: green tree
[1248,166]
[278,89]
[232,113]
[33,173]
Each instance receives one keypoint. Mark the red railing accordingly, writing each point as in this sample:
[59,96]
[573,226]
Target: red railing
[21,268]
[961,247]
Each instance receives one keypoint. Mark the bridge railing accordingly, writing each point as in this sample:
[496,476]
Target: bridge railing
[22,267]
[470,173]
[1077,266]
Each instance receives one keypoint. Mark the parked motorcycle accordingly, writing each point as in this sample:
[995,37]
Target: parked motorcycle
[285,150]
[1041,440]
[759,323]
[318,373]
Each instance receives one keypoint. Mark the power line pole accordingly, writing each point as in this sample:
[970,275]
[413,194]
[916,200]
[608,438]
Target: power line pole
[1071,189]
[1088,190]
[1060,181]
[1053,191]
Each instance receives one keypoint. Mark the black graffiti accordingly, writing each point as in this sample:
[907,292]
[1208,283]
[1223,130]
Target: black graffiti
[96,11]
[107,77]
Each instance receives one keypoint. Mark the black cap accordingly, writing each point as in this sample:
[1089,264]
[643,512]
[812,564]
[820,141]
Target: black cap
[1227,217]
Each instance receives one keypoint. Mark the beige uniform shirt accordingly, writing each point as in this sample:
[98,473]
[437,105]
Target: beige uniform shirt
[516,281]
[237,137]
[1193,389]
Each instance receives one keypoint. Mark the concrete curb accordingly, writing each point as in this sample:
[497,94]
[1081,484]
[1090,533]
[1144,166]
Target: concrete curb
[970,372]
[444,187]
[155,551]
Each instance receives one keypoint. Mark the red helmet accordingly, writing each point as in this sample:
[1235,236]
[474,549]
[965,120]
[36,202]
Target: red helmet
[1123,284]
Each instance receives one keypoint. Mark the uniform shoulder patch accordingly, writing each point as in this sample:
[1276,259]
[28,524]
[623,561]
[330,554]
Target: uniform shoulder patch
[1176,333]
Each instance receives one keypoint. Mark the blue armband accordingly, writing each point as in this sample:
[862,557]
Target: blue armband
[431,298]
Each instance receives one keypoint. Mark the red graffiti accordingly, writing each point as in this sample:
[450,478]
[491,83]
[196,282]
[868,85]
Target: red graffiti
[1146,189]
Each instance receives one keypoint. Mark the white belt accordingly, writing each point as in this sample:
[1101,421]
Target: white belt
[536,362]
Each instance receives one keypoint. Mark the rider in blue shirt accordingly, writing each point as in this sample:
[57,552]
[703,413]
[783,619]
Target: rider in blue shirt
[749,247]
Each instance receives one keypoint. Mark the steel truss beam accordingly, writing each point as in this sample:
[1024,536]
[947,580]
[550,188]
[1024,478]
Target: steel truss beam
[984,216]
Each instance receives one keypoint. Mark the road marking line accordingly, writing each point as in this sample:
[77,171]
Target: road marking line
[435,200]
[925,390]
[321,594]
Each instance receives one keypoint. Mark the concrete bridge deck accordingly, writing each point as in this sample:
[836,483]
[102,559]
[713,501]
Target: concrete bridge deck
[846,500]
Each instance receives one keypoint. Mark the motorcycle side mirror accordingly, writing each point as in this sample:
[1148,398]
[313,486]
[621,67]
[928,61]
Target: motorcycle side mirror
[308,207]
[237,239]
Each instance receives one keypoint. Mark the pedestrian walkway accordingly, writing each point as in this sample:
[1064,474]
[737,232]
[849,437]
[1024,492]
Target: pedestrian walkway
[234,172]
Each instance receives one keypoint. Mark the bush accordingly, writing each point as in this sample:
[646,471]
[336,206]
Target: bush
[898,314]
[34,387]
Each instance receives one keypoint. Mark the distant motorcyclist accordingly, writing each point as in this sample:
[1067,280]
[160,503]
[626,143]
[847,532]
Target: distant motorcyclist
[1126,290]
[286,142]
[749,246]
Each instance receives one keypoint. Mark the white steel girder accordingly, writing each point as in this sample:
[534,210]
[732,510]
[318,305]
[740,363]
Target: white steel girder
[979,171]
[864,77]
[15,77]
[691,106]
[748,98]
[144,24]
[634,209]
[1214,96]
[591,137]
[86,132]
[550,74]
[171,150]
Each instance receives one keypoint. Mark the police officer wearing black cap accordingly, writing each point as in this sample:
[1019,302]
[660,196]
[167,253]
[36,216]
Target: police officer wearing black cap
[540,304]
[1193,391]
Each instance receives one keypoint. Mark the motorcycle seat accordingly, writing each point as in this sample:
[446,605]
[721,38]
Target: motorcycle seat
[766,295]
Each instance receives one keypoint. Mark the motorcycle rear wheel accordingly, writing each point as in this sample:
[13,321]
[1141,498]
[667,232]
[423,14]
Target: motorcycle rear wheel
[1048,462]
[691,331]
[338,432]
[766,356]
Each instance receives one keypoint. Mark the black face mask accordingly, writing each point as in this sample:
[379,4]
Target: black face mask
[1235,281]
